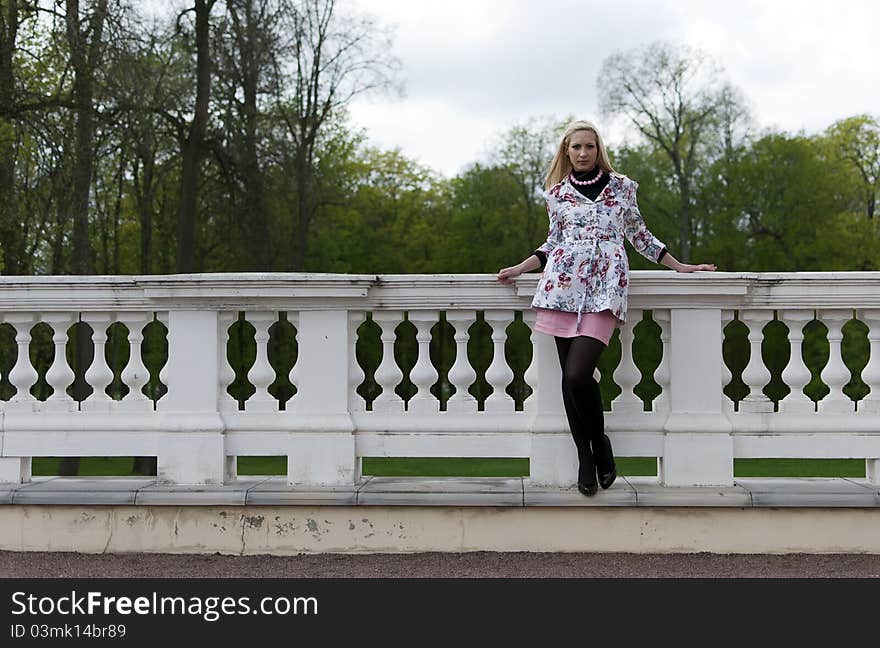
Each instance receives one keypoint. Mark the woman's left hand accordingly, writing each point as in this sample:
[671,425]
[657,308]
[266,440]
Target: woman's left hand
[695,267]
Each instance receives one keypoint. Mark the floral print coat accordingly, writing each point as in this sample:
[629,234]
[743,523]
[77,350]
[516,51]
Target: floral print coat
[587,269]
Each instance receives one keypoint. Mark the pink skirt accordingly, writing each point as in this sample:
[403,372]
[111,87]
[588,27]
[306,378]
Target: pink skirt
[562,324]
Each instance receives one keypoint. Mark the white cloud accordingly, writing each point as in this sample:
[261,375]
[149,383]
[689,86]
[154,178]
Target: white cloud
[473,68]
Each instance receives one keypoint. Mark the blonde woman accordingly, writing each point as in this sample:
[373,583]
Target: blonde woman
[582,292]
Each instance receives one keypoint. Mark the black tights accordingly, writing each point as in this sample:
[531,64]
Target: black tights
[582,398]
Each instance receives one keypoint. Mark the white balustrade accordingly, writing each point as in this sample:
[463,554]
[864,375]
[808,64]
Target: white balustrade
[796,374]
[499,374]
[627,374]
[461,374]
[197,430]
[423,374]
[756,375]
[835,374]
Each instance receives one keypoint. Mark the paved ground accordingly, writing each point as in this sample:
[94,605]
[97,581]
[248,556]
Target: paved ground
[438,565]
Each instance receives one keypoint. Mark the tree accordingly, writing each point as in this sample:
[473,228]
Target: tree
[15,104]
[246,51]
[192,139]
[857,141]
[525,151]
[674,97]
[333,58]
[86,42]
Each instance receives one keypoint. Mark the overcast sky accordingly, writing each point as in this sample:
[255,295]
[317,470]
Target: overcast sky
[472,68]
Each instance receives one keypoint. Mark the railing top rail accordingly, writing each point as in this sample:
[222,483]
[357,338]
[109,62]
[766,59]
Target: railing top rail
[322,291]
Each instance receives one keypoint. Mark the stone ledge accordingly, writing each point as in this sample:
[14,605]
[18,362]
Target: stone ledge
[443,491]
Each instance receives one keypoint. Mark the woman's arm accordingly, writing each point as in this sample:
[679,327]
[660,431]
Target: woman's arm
[671,262]
[506,275]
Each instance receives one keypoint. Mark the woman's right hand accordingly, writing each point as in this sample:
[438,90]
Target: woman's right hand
[506,275]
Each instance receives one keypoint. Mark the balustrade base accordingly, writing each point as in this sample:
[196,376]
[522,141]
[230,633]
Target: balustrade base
[383,514]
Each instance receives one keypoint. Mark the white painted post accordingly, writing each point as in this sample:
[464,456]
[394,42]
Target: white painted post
[698,447]
[553,460]
[191,451]
[326,457]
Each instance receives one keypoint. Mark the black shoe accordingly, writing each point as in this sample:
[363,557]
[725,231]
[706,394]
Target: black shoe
[605,466]
[587,477]
[588,489]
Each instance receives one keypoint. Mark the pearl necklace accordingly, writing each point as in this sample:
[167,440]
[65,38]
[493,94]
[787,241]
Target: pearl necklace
[584,182]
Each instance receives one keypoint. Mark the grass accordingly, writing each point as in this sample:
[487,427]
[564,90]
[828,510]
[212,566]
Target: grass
[479,467]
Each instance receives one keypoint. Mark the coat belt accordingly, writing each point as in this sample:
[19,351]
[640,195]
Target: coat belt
[594,238]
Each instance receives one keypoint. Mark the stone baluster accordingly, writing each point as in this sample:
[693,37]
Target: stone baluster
[261,375]
[162,317]
[870,405]
[461,374]
[59,375]
[835,374]
[225,373]
[627,374]
[388,374]
[796,375]
[23,375]
[499,374]
[294,375]
[99,375]
[726,376]
[135,374]
[356,375]
[423,374]
[756,375]
[661,373]
[531,374]
[871,372]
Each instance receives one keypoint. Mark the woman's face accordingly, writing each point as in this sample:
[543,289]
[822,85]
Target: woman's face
[583,151]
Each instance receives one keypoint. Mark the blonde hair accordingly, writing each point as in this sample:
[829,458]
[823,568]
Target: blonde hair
[561,165]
